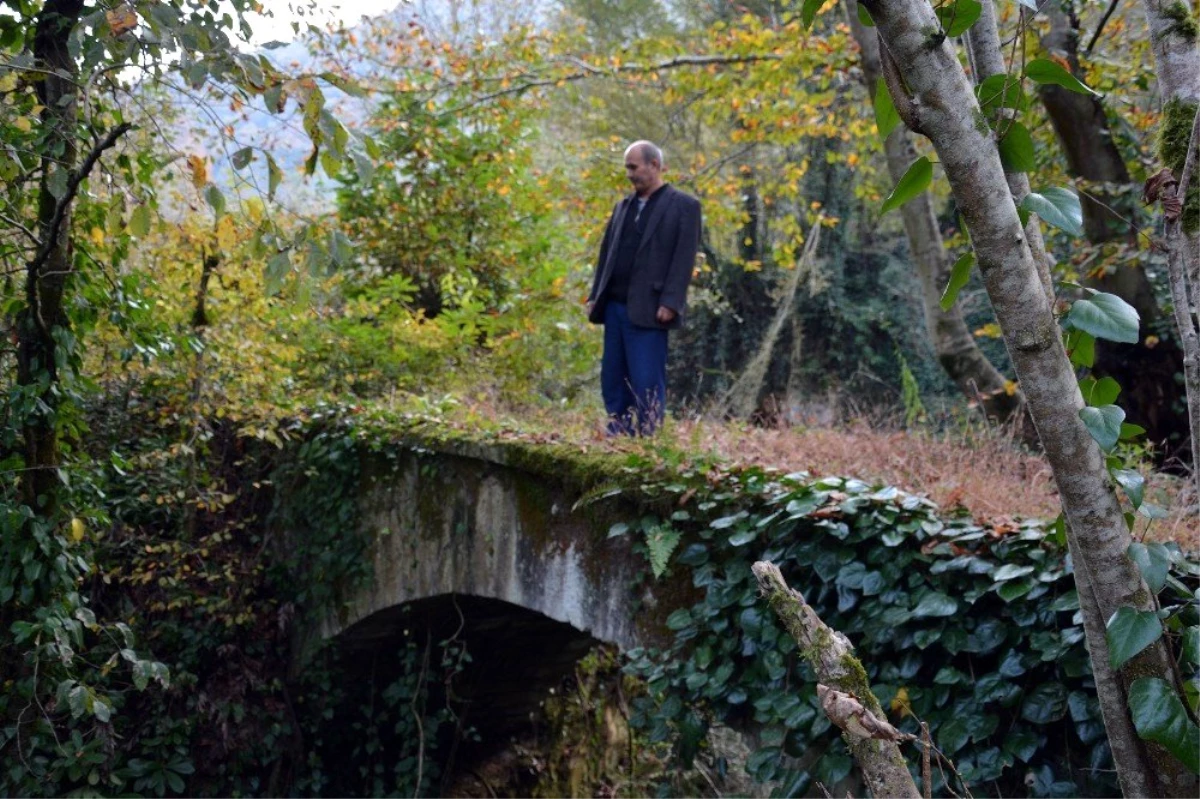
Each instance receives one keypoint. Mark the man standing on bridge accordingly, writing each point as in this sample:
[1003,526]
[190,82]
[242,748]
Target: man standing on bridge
[639,292]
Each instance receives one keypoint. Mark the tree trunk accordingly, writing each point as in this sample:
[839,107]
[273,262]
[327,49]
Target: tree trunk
[1146,373]
[38,360]
[829,653]
[940,103]
[952,341]
[983,51]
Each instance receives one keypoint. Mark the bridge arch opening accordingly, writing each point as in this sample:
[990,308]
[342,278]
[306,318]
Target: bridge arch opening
[484,668]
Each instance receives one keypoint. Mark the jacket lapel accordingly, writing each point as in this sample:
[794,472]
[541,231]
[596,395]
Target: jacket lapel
[619,221]
[655,215]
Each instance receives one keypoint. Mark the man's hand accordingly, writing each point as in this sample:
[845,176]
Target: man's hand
[664,315]
[589,307]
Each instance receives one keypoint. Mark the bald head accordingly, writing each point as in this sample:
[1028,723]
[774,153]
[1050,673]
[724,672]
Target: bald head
[644,166]
[647,151]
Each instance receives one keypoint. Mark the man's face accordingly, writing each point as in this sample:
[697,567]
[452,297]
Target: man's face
[641,173]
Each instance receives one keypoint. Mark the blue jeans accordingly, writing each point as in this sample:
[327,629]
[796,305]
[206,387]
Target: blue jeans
[633,374]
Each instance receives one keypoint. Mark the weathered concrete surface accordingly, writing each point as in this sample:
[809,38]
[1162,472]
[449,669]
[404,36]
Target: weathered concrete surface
[465,522]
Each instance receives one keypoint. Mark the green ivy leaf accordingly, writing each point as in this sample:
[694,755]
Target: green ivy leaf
[958,16]
[1011,571]
[864,16]
[1058,206]
[743,537]
[935,603]
[959,276]
[886,115]
[1105,316]
[915,180]
[1191,645]
[1129,431]
[1014,589]
[1159,716]
[1082,346]
[679,619]
[953,735]
[1129,632]
[1099,392]
[1154,562]
[1016,149]
[1045,71]
[728,521]
[1152,511]
[1135,486]
[1045,704]
[1104,423]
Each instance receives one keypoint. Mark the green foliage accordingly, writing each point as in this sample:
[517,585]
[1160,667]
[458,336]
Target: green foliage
[958,16]
[959,276]
[1016,149]
[973,628]
[1104,316]
[886,116]
[914,409]
[1159,716]
[1057,206]
[914,181]
[1043,70]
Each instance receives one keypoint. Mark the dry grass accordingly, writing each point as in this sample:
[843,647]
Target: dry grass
[988,477]
[980,470]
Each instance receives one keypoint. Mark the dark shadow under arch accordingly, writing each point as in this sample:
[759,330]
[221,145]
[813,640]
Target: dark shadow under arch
[517,657]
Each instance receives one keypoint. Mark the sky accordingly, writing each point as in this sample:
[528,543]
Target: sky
[279,26]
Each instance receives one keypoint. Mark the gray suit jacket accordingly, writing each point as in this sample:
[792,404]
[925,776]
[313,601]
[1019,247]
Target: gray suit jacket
[662,268]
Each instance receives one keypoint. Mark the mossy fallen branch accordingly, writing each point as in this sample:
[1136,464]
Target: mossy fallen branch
[828,651]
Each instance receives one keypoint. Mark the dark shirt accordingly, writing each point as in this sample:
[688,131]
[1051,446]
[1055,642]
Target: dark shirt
[627,246]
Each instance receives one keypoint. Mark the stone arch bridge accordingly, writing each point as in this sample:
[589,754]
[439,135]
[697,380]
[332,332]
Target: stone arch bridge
[488,543]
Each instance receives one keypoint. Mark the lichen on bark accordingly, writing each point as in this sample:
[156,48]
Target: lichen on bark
[1174,136]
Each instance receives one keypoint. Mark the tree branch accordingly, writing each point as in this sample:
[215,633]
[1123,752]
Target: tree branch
[585,70]
[1100,27]
[871,739]
[77,177]
[901,99]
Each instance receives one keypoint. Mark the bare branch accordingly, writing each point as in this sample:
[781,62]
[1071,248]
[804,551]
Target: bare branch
[77,177]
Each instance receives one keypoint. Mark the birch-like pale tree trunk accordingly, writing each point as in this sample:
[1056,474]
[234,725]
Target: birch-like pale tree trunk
[1173,36]
[1146,370]
[952,341]
[937,100]
[983,51]
[1182,295]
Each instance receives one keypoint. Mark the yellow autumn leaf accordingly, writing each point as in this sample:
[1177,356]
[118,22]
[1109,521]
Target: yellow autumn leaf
[23,124]
[1010,387]
[77,530]
[121,19]
[226,234]
[900,702]
[199,169]
[990,330]
[96,234]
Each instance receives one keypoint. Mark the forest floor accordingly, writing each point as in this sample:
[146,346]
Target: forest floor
[977,469]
